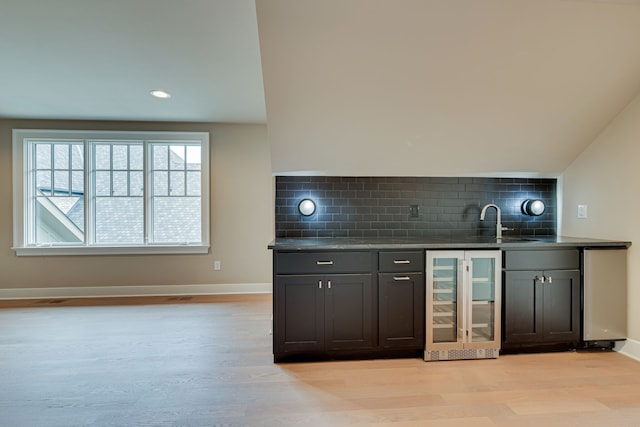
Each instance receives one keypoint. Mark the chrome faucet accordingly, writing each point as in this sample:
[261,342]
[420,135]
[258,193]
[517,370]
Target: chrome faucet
[499,226]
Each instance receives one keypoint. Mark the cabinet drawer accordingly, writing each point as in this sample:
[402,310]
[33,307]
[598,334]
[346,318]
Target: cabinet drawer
[401,261]
[561,259]
[322,262]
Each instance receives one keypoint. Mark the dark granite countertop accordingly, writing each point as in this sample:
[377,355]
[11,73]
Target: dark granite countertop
[454,242]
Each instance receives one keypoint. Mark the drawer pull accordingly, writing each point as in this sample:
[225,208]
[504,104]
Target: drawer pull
[401,278]
[324,262]
[401,261]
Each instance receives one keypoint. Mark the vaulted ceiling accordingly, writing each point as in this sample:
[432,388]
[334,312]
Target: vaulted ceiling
[443,87]
[351,87]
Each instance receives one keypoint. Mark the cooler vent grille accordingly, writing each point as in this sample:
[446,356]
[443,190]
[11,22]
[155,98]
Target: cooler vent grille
[486,353]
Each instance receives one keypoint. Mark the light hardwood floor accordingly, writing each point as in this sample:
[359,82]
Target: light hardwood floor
[206,361]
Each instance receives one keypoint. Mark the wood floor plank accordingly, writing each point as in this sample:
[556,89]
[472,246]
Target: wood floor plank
[203,361]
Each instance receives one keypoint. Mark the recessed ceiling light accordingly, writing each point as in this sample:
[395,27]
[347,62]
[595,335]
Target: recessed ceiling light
[159,93]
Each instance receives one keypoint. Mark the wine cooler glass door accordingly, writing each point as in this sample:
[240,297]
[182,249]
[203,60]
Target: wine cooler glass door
[483,311]
[445,278]
[483,300]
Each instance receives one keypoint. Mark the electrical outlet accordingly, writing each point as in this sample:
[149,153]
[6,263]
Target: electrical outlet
[216,265]
[414,211]
[582,211]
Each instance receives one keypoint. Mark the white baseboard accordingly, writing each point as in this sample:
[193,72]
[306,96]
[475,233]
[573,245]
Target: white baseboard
[630,348]
[134,291]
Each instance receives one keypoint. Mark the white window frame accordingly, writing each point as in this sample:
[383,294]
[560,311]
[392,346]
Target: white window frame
[21,246]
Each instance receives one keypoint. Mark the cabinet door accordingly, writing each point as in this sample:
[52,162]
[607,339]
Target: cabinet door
[348,311]
[483,295]
[523,301]
[401,310]
[444,305]
[561,306]
[298,314]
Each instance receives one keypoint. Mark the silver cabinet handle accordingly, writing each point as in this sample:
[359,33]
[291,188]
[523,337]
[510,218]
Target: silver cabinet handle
[401,278]
[401,261]
[324,262]
[540,278]
[329,284]
[319,284]
[549,279]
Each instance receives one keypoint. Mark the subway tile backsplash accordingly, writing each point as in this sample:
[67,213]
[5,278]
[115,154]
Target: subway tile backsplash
[380,206]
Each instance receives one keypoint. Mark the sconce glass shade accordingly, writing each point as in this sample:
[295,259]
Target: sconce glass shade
[307,207]
[533,207]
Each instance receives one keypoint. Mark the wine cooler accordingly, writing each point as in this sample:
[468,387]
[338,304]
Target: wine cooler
[463,305]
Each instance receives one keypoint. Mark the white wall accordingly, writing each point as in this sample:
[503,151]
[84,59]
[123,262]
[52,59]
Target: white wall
[606,178]
[242,218]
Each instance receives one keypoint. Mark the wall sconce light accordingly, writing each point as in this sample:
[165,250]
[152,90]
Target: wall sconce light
[533,207]
[307,207]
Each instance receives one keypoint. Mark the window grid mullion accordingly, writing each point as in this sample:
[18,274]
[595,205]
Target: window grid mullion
[184,173]
[89,192]
[129,171]
[169,181]
[69,173]
[111,170]
[33,193]
[147,184]
[52,172]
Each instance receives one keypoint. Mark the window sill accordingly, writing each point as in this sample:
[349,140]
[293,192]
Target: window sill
[110,250]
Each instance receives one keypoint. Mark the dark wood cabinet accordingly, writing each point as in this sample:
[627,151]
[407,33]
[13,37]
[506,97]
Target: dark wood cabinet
[348,314]
[401,299]
[323,262]
[401,310]
[541,305]
[359,300]
[299,314]
[561,306]
[321,313]
[348,303]
[318,313]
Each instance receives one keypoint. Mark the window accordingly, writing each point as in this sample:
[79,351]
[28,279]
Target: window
[92,192]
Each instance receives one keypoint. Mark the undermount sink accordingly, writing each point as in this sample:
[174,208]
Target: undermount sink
[493,239]
[520,239]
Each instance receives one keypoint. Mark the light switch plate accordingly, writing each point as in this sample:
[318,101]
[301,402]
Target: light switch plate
[582,211]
